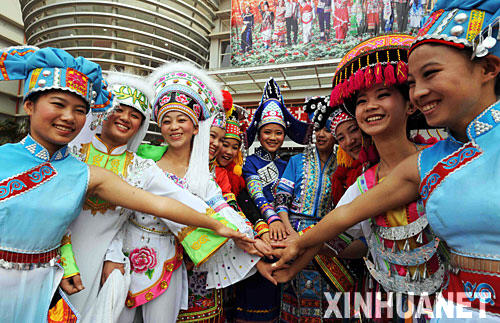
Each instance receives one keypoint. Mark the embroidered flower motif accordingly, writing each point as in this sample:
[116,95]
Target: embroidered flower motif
[182,99]
[165,99]
[197,109]
[143,260]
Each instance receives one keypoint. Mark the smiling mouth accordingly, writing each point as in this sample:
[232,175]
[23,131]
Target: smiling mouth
[374,118]
[176,136]
[122,127]
[356,149]
[428,107]
[63,128]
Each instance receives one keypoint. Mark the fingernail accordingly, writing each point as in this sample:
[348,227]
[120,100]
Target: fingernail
[273,265]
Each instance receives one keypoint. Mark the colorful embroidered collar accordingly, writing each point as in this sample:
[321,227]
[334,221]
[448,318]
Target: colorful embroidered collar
[41,152]
[102,147]
[264,154]
[484,122]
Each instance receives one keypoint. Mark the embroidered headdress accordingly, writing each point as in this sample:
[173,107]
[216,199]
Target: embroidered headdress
[272,110]
[335,119]
[463,24]
[129,90]
[132,91]
[233,130]
[55,69]
[317,109]
[221,116]
[381,59]
[185,88]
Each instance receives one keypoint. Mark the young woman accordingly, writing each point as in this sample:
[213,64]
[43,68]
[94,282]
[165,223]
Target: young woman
[456,92]
[40,178]
[262,172]
[267,24]
[263,169]
[185,98]
[352,142]
[382,109]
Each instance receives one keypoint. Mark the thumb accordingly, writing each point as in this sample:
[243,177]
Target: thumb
[77,281]
[269,277]
[279,264]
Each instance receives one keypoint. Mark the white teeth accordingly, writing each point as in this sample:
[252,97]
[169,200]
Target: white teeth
[121,127]
[375,118]
[63,128]
[428,107]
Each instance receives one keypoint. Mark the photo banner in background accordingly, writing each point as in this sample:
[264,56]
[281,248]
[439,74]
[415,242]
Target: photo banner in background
[285,31]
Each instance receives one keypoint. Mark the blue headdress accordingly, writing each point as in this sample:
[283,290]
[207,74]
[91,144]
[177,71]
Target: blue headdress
[463,24]
[55,69]
[272,110]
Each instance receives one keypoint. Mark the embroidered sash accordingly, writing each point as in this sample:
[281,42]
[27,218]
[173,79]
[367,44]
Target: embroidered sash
[26,181]
[445,167]
[200,243]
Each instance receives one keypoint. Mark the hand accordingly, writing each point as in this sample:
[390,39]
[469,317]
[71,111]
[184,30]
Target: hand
[248,247]
[283,275]
[264,247]
[266,271]
[277,230]
[108,268]
[266,237]
[286,242]
[72,284]
[224,231]
[286,255]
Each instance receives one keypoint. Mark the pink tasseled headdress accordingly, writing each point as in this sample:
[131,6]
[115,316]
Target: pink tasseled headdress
[381,59]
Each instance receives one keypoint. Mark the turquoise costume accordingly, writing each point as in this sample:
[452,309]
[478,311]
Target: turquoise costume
[459,179]
[41,194]
[474,164]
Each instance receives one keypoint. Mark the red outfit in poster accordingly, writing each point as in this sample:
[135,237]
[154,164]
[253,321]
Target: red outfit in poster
[372,15]
[340,19]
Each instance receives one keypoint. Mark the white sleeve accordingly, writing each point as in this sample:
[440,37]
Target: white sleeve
[350,195]
[115,249]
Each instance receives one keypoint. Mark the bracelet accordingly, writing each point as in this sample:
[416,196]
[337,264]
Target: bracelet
[261,227]
[301,232]
[273,218]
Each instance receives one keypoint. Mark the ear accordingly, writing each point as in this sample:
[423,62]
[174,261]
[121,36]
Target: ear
[196,130]
[491,68]
[29,107]
[410,108]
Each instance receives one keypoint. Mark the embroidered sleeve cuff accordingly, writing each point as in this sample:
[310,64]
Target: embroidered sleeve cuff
[273,218]
[68,261]
[261,227]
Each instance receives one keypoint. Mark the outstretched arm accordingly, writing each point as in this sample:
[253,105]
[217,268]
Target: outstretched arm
[112,188]
[399,188]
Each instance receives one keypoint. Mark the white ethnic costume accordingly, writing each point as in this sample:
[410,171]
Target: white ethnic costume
[159,279]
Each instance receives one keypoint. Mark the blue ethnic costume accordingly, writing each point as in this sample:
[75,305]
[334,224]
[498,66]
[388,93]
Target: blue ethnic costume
[458,179]
[304,194]
[40,194]
[262,171]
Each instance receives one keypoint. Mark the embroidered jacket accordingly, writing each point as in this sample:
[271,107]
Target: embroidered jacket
[459,188]
[261,173]
[39,196]
[305,187]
